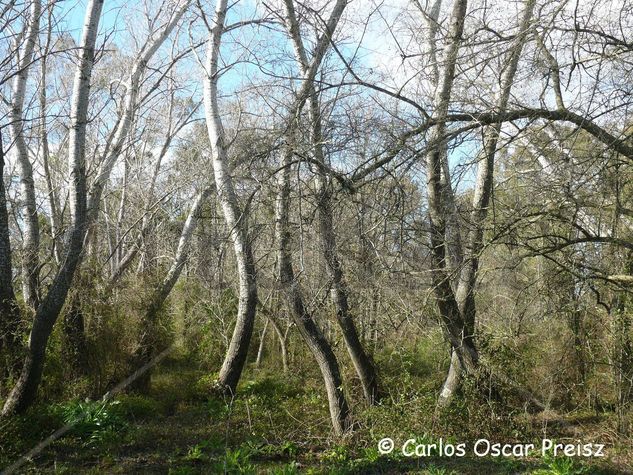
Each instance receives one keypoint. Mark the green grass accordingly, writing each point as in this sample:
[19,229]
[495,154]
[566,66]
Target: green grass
[279,424]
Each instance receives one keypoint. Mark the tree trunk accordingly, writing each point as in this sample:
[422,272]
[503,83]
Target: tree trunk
[262,339]
[235,218]
[317,343]
[9,310]
[124,124]
[457,307]
[25,390]
[31,235]
[451,383]
[283,343]
[361,360]
[453,322]
[53,202]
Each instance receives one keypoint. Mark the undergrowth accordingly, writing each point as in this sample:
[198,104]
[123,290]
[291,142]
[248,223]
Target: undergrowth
[277,424]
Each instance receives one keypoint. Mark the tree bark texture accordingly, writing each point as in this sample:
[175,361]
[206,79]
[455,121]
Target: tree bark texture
[235,218]
[25,390]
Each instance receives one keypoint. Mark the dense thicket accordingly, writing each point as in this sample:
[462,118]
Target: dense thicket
[325,186]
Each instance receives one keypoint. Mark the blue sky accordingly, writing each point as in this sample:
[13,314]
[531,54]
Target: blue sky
[72,14]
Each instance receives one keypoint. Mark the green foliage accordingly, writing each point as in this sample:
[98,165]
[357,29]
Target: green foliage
[370,454]
[433,469]
[205,385]
[269,389]
[182,471]
[197,452]
[290,469]
[257,431]
[206,322]
[236,461]
[264,450]
[22,432]
[336,455]
[560,465]
[217,408]
[137,407]
[93,421]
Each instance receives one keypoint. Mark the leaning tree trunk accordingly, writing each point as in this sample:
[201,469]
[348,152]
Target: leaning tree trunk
[361,360]
[316,341]
[484,181]
[452,381]
[454,248]
[25,390]
[130,104]
[31,235]
[283,344]
[235,218]
[53,202]
[147,346]
[260,350]
[76,340]
[457,308]
[453,323]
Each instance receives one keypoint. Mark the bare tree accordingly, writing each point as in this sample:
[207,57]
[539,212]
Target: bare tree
[464,295]
[31,241]
[74,324]
[361,360]
[316,341]
[25,389]
[130,104]
[234,216]
[53,199]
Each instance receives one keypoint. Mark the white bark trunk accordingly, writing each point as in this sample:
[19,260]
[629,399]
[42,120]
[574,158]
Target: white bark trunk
[123,128]
[53,201]
[31,235]
[23,393]
[439,208]
[234,217]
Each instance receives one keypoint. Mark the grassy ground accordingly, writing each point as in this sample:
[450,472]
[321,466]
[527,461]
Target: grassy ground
[278,425]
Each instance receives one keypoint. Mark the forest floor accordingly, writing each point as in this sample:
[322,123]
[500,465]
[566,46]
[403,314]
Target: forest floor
[277,426]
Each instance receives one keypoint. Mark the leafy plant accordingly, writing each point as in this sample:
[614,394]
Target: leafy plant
[336,455]
[559,465]
[236,461]
[195,453]
[290,469]
[93,420]
[433,469]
